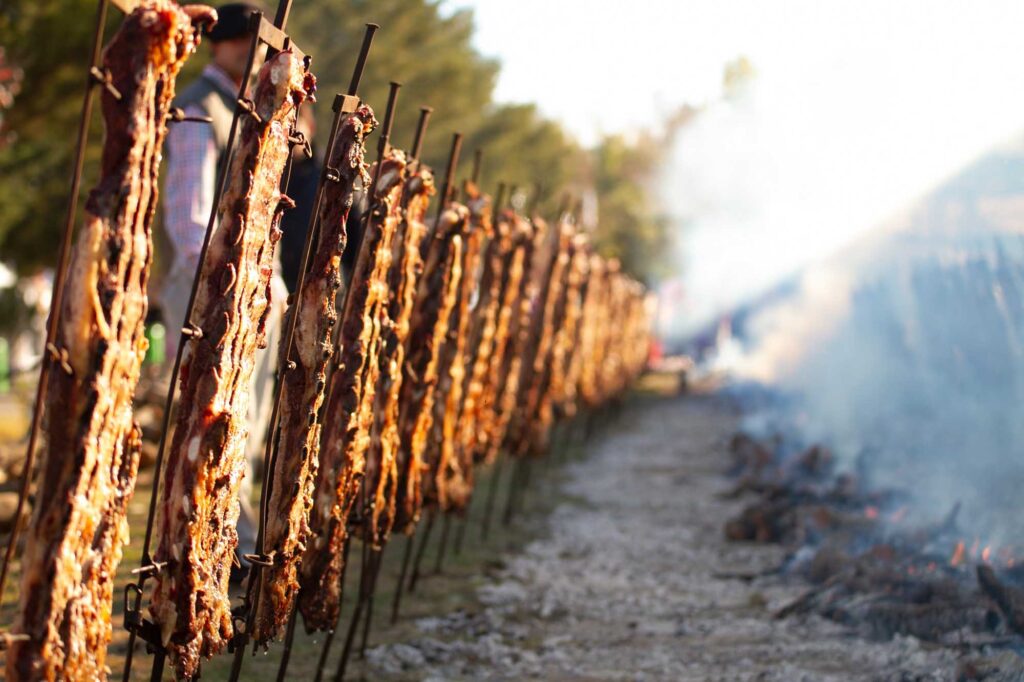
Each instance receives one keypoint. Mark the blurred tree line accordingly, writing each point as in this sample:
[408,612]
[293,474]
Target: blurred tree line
[428,50]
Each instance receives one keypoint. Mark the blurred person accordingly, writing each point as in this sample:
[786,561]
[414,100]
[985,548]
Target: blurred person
[195,153]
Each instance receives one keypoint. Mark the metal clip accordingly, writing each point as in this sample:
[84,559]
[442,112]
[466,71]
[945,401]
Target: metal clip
[104,78]
[192,331]
[266,560]
[249,107]
[291,365]
[299,138]
[132,618]
[60,356]
[332,174]
[177,115]
[7,638]
[150,569]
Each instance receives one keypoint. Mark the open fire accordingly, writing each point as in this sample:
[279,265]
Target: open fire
[868,564]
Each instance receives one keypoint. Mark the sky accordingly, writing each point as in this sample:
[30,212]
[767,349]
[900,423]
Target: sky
[857,109]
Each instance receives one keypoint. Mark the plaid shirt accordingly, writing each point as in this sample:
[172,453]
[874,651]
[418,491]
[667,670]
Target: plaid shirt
[191,178]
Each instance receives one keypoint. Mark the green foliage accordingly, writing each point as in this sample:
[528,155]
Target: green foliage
[418,45]
[630,224]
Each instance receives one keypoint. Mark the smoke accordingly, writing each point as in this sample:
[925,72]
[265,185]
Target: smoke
[903,350]
[906,352]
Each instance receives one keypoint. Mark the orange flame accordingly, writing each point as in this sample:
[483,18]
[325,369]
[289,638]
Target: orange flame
[958,554]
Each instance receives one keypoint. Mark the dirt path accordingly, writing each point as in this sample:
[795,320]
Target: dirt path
[623,585]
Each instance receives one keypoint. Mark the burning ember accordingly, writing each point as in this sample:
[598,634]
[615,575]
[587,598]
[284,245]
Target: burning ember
[869,568]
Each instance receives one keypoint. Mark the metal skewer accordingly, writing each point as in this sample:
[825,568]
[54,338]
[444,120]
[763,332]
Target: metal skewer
[57,295]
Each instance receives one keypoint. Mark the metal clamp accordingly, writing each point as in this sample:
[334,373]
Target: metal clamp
[104,78]
[192,331]
[60,356]
[150,569]
[266,560]
[177,115]
[145,630]
[249,107]
[299,139]
[7,638]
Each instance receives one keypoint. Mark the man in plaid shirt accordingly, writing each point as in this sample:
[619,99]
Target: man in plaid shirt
[194,154]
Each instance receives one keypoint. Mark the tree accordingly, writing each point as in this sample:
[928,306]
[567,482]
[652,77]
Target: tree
[427,50]
[631,226]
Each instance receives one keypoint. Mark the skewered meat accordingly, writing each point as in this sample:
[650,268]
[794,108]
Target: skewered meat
[406,267]
[88,466]
[349,414]
[591,335]
[453,474]
[435,299]
[296,464]
[535,352]
[516,306]
[484,336]
[198,504]
[540,412]
[568,349]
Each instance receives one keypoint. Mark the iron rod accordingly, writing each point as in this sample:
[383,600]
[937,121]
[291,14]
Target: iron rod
[322,663]
[492,496]
[289,639]
[421,130]
[396,603]
[442,546]
[364,51]
[420,551]
[57,295]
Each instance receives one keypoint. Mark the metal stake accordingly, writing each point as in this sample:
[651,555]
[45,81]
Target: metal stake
[396,603]
[342,107]
[443,545]
[322,663]
[420,551]
[57,296]
[492,495]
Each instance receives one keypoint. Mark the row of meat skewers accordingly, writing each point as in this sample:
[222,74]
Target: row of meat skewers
[454,338]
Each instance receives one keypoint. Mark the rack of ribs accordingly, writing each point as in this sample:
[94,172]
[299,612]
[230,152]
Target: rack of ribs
[88,466]
[533,335]
[436,297]
[568,349]
[513,322]
[406,268]
[198,497]
[484,337]
[348,416]
[287,522]
[550,365]
[453,474]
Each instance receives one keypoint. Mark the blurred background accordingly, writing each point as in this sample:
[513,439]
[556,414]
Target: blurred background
[828,197]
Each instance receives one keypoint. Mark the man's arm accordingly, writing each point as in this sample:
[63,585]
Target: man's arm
[188,192]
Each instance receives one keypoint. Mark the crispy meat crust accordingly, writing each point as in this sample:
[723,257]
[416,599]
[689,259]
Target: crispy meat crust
[198,505]
[297,460]
[349,413]
[88,466]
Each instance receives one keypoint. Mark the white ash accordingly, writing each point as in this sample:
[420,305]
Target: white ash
[624,586]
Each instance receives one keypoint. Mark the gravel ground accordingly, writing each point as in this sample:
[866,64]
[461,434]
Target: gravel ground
[624,584]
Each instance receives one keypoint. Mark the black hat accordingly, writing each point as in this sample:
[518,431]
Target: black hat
[232,21]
